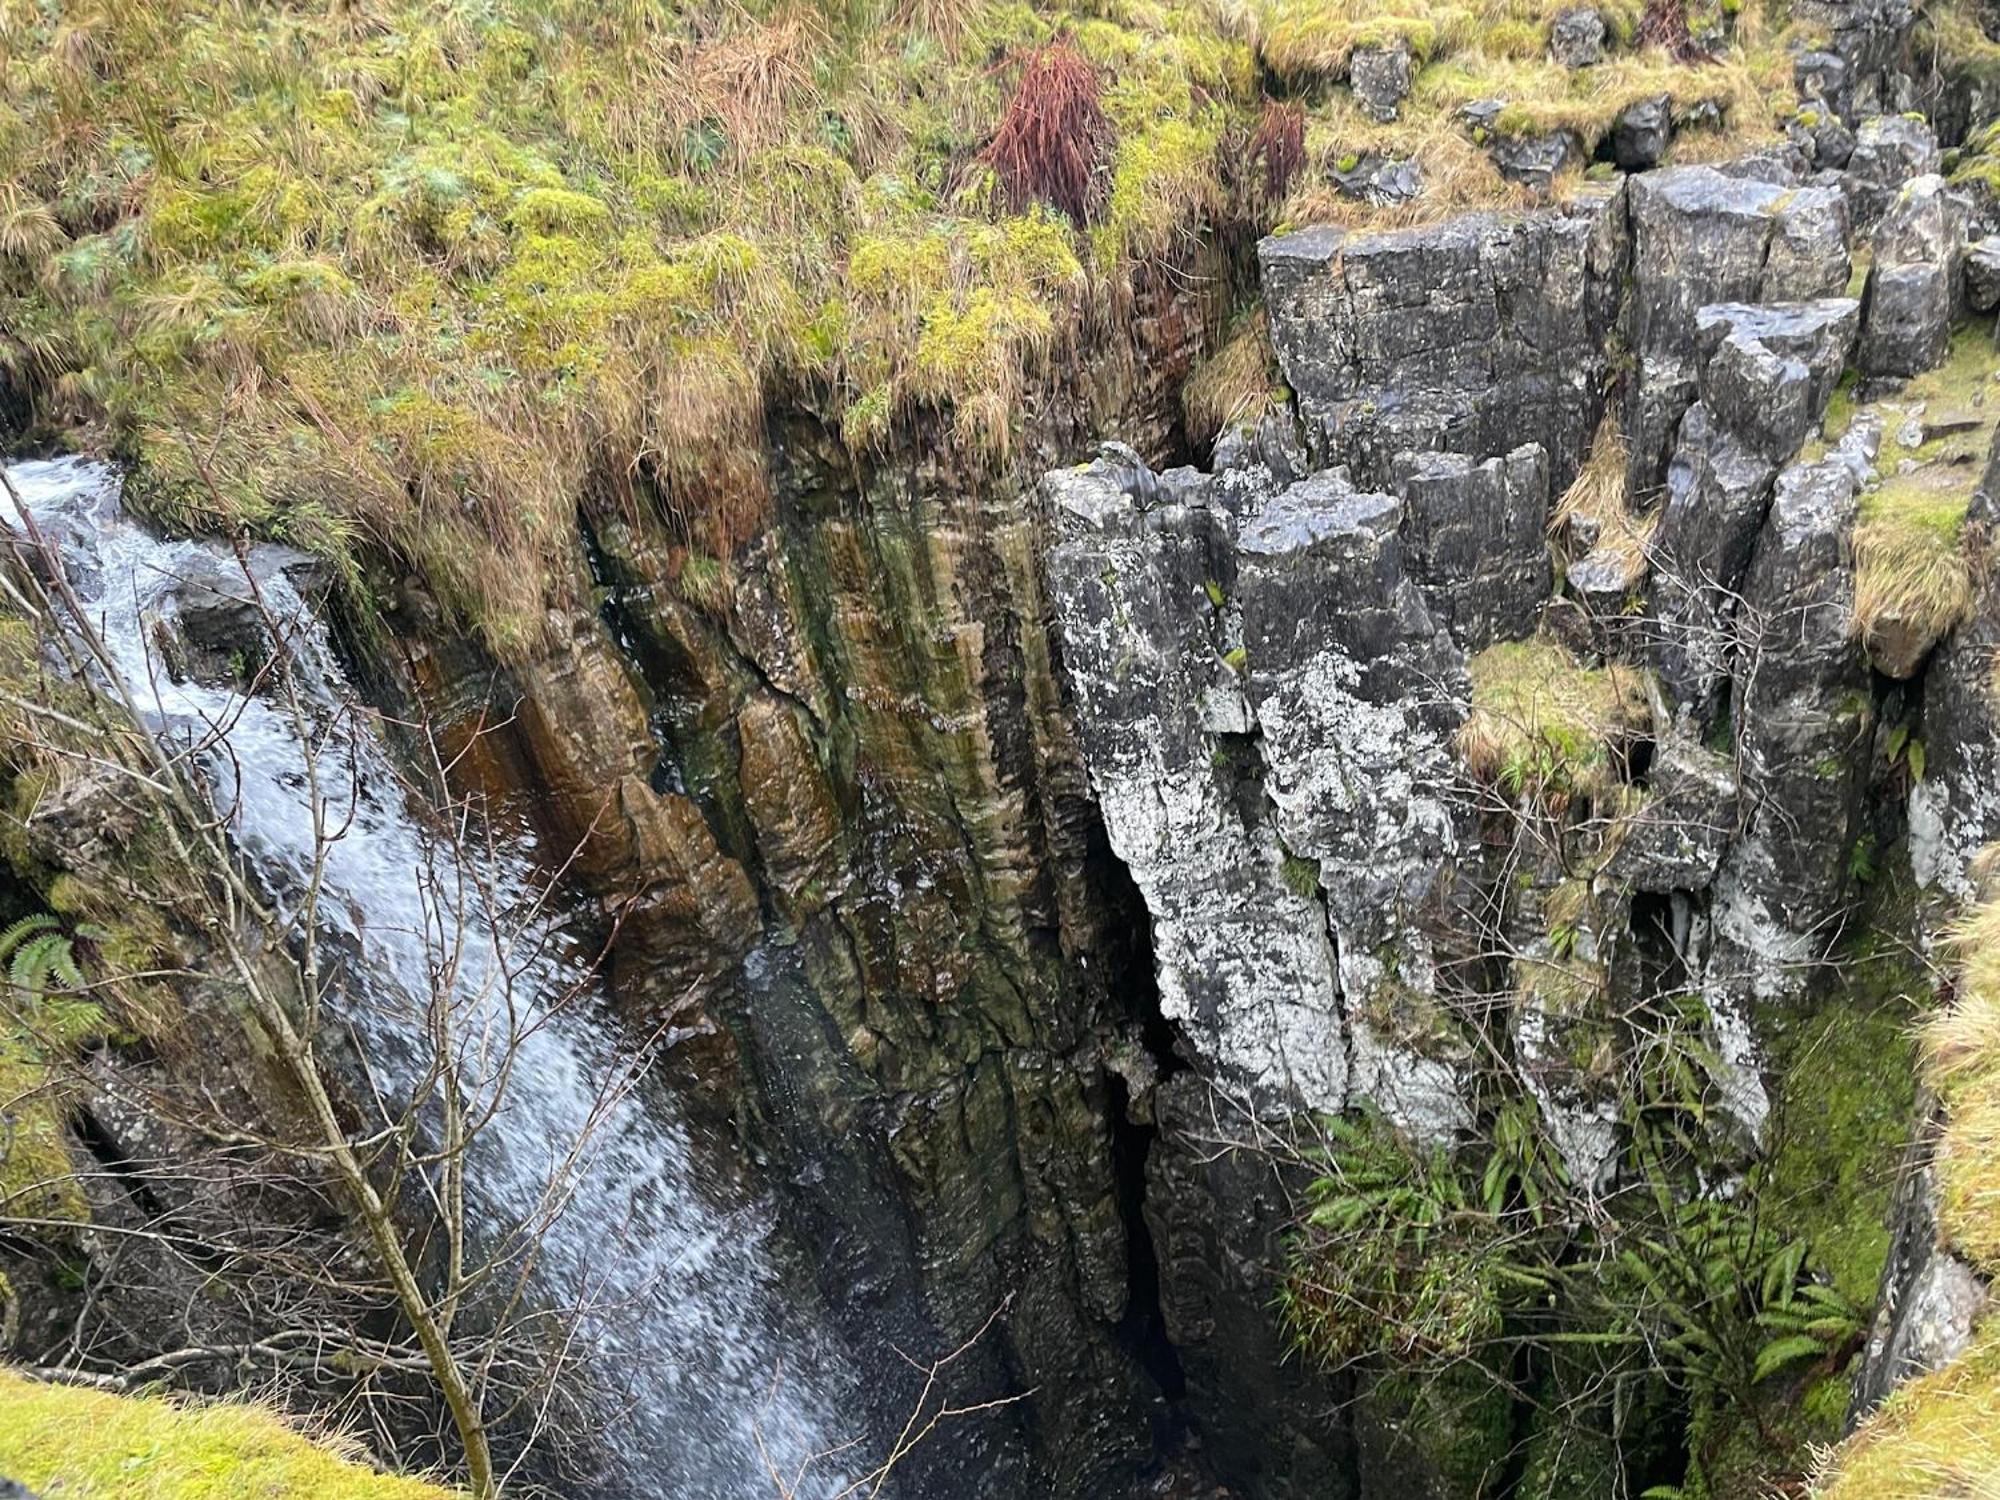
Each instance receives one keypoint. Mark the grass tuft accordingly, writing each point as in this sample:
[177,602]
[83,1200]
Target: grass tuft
[1052,139]
[1913,577]
[1545,726]
[85,1444]
[1237,384]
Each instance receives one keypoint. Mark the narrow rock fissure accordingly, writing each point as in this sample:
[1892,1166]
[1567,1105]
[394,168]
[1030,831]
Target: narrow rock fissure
[1135,1133]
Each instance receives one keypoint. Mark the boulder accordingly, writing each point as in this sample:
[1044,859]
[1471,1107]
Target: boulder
[1822,78]
[1912,286]
[1380,78]
[1641,134]
[1820,334]
[1378,179]
[1534,160]
[1576,37]
[1889,150]
[1982,275]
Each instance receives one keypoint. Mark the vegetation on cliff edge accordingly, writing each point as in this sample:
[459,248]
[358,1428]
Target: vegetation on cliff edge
[407,276]
[82,1444]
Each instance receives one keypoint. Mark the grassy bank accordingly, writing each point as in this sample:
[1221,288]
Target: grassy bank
[83,1444]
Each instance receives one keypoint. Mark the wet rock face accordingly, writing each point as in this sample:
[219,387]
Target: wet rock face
[1470,337]
[1913,284]
[1700,237]
[1247,667]
[1931,1300]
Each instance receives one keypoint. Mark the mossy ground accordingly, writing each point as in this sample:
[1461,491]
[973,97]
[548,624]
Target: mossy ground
[414,274]
[90,1445]
[1542,721]
[1939,1436]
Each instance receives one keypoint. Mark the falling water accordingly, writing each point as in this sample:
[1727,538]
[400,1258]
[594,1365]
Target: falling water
[692,1329]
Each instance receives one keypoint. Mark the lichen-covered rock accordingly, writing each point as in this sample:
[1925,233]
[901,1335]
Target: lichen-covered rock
[1257,689]
[1982,274]
[1475,539]
[1803,718]
[1822,78]
[1473,336]
[1534,160]
[1913,282]
[1378,179]
[1930,1301]
[1872,40]
[1699,237]
[1766,376]
[1820,334]
[1245,964]
[1576,37]
[1380,78]
[1889,150]
[1675,842]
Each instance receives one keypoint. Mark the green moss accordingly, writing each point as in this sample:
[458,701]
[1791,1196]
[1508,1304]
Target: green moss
[1542,722]
[1456,1425]
[83,1444]
[1845,1110]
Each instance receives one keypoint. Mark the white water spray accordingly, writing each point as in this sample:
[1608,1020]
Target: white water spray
[692,1326]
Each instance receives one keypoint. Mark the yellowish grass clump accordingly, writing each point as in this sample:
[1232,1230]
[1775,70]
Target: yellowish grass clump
[1236,385]
[1936,1438]
[89,1445]
[1911,574]
[1913,578]
[1595,502]
[1543,723]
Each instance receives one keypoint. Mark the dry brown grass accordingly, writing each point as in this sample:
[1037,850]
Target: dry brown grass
[754,82]
[1235,383]
[1596,502]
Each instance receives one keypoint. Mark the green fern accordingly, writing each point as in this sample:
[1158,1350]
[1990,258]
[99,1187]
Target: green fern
[39,958]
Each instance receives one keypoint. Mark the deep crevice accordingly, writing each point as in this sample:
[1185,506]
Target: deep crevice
[1134,1131]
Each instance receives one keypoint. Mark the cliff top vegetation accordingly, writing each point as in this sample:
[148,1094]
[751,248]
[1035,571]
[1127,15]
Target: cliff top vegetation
[407,277]
[83,1443]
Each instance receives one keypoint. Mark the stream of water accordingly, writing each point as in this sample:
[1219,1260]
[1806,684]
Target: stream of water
[693,1330]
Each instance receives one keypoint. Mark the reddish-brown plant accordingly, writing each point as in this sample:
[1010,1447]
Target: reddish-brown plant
[1279,144]
[1665,24]
[1053,139]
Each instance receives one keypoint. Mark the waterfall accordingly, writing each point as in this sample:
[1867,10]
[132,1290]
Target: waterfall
[696,1335]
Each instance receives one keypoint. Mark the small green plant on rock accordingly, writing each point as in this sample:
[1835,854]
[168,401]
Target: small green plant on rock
[1544,728]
